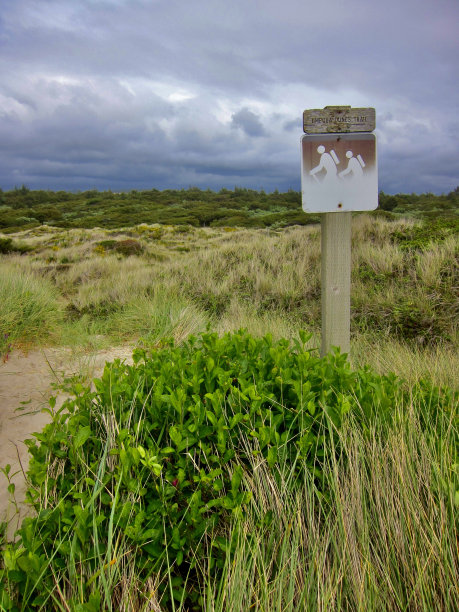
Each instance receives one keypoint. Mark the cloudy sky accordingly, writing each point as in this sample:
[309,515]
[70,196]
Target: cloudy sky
[135,94]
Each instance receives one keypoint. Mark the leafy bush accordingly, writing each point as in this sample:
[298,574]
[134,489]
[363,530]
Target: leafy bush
[124,247]
[153,464]
[426,323]
[420,236]
[107,245]
[46,213]
[129,247]
[8,246]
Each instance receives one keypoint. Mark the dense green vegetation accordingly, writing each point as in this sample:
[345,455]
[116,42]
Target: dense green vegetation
[235,471]
[22,208]
[426,204]
[144,488]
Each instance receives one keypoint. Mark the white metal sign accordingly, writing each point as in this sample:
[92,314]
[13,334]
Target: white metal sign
[339,172]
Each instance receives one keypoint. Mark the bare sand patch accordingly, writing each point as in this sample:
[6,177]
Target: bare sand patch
[26,384]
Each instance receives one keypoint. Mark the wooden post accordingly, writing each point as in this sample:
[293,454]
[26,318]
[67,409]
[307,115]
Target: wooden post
[336,281]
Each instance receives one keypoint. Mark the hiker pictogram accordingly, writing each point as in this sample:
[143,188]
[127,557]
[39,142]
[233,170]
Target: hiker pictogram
[328,162]
[339,172]
[354,168]
[328,165]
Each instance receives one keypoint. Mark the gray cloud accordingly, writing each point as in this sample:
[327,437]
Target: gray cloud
[143,93]
[249,122]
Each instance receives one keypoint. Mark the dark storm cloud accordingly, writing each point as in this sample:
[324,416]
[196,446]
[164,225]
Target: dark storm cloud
[249,122]
[142,93]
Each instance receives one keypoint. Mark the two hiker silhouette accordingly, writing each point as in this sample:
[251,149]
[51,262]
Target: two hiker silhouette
[329,162]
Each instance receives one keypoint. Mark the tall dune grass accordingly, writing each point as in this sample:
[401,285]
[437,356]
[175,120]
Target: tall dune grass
[30,307]
[385,537]
[403,299]
[409,360]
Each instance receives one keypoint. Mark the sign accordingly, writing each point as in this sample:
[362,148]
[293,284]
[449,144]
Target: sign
[338,119]
[339,172]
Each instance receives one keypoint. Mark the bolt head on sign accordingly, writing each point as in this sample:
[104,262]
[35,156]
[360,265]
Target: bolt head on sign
[339,172]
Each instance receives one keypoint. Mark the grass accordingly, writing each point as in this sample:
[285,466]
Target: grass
[379,534]
[385,534]
[408,360]
[265,280]
[385,539]
[30,308]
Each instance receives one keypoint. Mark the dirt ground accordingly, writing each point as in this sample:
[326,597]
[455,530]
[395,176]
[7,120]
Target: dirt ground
[25,386]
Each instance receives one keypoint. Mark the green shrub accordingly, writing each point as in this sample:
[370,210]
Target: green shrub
[107,245]
[129,247]
[124,247]
[46,213]
[8,246]
[420,236]
[427,322]
[154,462]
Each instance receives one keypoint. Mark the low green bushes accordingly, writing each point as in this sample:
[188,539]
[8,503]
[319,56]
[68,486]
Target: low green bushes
[421,236]
[139,483]
[7,246]
[123,247]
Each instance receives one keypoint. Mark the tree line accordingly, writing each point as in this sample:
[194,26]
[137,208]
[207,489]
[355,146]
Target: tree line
[23,208]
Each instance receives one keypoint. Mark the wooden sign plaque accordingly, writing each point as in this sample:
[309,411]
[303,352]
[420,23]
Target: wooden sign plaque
[338,119]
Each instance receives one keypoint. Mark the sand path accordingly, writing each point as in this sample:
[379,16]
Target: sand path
[25,387]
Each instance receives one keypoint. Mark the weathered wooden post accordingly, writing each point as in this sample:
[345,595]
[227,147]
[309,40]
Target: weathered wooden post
[336,281]
[339,175]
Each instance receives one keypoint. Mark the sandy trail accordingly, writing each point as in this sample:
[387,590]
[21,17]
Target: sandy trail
[29,378]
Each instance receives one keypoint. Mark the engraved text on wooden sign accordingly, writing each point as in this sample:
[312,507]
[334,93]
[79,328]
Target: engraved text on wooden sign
[338,119]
